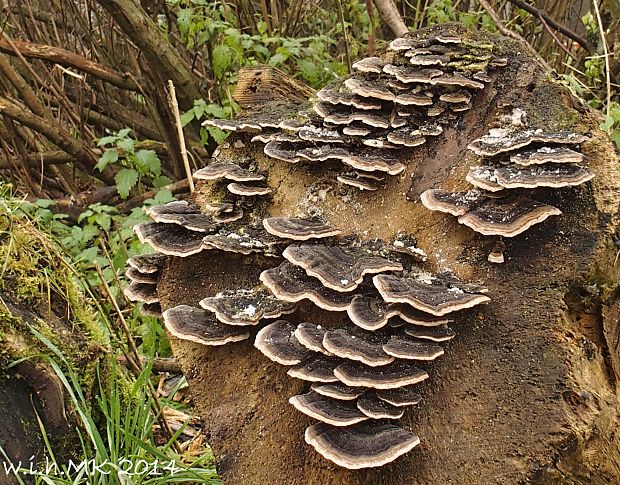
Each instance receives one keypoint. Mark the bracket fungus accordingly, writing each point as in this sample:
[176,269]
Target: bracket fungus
[367,310]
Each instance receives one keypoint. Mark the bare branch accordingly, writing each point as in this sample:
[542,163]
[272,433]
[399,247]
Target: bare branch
[389,14]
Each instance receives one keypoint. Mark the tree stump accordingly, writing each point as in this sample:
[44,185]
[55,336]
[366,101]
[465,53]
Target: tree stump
[526,392]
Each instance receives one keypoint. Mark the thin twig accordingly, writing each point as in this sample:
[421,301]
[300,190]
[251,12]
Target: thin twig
[606,52]
[177,121]
[133,358]
[345,34]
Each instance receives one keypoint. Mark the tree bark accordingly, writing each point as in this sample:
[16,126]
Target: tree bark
[389,14]
[526,393]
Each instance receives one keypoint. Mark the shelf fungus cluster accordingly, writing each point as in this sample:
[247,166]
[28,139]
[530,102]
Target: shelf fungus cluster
[516,164]
[389,105]
[143,272]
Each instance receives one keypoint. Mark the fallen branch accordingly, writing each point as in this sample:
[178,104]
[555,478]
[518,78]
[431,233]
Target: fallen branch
[67,59]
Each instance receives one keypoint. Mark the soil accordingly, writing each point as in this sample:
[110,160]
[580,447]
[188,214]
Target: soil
[526,393]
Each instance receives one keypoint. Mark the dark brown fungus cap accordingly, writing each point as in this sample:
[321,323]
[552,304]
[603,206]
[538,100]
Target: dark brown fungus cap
[291,283]
[483,178]
[507,217]
[229,171]
[246,307]
[372,313]
[565,175]
[226,217]
[396,374]
[298,229]
[542,155]
[371,162]
[446,37]
[331,411]
[405,244]
[278,343]
[239,242]
[337,267]
[456,80]
[197,325]
[247,190]
[193,222]
[316,369]
[137,277]
[456,97]
[365,348]
[402,347]
[369,64]
[412,99]
[144,292]
[151,309]
[279,151]
[311,336]
[357,182]
[147,263]
[412,75]
[436,334]
[482,76]
[363,445]
[319,135]
[375,408]
[403,396]
[501,140]
[353,130]
[406,137]
[368,89]
[454,203]
[368,119]
[338,390]
[403,44]
[428,294]
[170,239]
[174,207]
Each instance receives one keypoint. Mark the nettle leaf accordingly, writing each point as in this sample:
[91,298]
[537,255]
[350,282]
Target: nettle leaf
[188,117]
[148,162]
[107,140]
[220,60]
[126,179]
[218,135]
[126,144]
[161,181]
[607,124]
[88,254]
[108,157]
[104,221]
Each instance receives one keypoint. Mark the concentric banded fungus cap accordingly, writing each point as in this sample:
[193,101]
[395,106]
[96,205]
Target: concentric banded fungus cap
[565,175]
[151,310]
[406,137]
[233,125]
[436,334]
[371,161]
[364,348]
[197,325]
[375,408]
[229,171]
[338,390]
[391,376]
[456,80]
[412,99]
[412,349]
[331,411]
[247,190]
[368,89]
[357,182]
[174,207]
[144,292]
[137,277]
[311,336]
[501,140]
[542,155]
[372,313]
[316,369]
[456,97]
[337,267]
[298,229]
[411,74]
[193,222]
[246,307]
[226,217]
[507,217]
[170,239]
[278,342]
[369,64]
[497,254]
[403,396]
[242,241]
[363,445]
[406,244]
[280,151]
[147,263]
[291,283]
[428,294]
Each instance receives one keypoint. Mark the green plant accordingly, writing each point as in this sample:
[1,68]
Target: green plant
[135,164]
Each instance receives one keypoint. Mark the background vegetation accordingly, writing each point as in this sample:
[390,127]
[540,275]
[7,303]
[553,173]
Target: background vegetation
[87,140]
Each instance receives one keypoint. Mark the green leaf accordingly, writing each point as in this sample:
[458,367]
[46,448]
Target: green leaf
[218,135]
[126,179]
[126,144]
[88,254]
[161,181]
[107,140]
[148,162]
[220,60]
[104,221]
[108,157]
[188,117]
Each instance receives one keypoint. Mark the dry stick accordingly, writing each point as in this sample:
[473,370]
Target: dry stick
[172,99]
[502,28]
[345,34]
[557,41]
[159,364]
[371,33]
[606,52]
[135,361]
[543,16]
[389,14]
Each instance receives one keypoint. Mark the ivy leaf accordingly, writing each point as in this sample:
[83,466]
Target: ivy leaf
[220,60]
[126,179]
[108,157]
[148,162]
